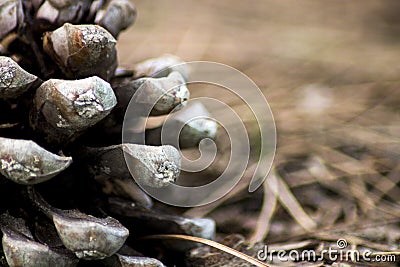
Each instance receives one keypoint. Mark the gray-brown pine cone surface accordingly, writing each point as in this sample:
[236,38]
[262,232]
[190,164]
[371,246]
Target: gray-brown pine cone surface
[67,195]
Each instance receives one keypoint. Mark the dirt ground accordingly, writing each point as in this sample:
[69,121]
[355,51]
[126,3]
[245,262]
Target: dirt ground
[330,71]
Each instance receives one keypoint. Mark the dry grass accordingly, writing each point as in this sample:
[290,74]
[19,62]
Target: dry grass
[331,73]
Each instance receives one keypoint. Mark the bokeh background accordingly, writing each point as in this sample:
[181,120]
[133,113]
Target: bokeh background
[330,71]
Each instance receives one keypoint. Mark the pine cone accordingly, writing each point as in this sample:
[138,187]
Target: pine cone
[63,169]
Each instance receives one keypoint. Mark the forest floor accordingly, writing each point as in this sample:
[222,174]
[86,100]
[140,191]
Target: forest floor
[331,74]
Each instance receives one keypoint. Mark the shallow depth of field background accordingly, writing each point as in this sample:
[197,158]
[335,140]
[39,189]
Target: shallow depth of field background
[331,73]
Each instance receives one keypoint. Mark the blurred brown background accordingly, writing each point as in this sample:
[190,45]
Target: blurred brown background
[278,43]
[339,57]
[330,71]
